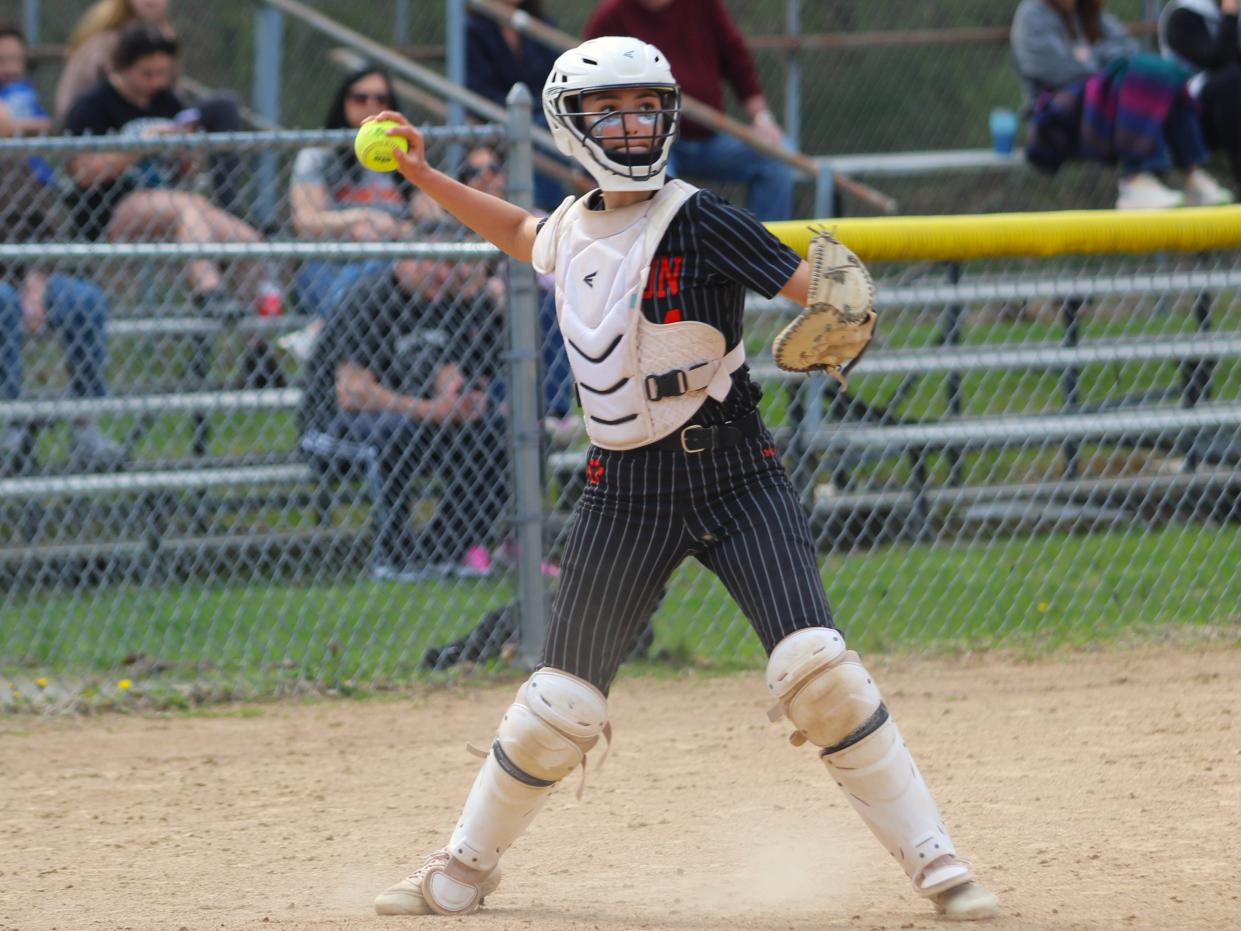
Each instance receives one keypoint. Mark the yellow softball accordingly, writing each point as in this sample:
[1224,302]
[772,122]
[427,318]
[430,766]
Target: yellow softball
[374,149]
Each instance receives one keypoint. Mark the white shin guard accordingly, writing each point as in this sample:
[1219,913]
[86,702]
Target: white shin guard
[545,734]
[834,703]
[882,782]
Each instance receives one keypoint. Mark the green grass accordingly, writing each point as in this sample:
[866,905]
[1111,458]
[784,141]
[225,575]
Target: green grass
[1032,593]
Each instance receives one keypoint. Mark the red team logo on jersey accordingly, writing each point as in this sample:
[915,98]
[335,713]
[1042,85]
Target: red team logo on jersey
[594,471]
[664,279]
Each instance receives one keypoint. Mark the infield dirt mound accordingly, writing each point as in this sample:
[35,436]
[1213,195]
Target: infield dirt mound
[1092,791]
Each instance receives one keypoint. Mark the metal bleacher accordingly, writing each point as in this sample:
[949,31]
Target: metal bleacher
[829,446]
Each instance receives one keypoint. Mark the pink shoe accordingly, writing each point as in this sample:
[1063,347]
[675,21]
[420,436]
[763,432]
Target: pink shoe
[476,563]
[509,554]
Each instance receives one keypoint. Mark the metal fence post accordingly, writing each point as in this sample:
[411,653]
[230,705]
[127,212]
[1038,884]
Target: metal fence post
[826,197]
[951,336]
[1070,379]
[454,41]
[268,64]
[30,21]
[400,24]
[524,397]
[792,79]
[455,69]
[1150,13]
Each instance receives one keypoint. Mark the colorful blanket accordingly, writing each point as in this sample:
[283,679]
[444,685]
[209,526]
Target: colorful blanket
[1114,116]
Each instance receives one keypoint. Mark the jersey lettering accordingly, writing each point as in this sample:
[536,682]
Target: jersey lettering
[665,277]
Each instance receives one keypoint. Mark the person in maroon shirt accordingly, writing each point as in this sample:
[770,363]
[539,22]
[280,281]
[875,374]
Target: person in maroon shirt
[702,58]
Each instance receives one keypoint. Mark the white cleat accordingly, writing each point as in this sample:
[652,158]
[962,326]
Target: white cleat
[966,902]
[1146,192]
[448,896]
[1202,190]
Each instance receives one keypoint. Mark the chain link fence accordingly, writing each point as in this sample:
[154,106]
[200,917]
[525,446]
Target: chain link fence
[196,504]
[197,501]
[845,78]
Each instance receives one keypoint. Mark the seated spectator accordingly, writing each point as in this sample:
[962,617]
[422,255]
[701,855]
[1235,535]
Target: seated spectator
[131,196]
[705,48]
[397,390]
[92,46]
[19,97]
[334,197]
[1202,36]
[483,169]
[497,57]
[17,93]
[32,301]
[1094,96]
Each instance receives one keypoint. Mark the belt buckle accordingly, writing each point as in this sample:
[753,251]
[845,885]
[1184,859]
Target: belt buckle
[685,433]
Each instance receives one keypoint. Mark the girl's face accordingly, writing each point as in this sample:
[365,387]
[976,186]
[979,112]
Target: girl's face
[624,118]
[150,11]
[12,60]
[366,96]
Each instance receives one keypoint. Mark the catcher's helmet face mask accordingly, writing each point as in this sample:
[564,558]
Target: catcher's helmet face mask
[613,105]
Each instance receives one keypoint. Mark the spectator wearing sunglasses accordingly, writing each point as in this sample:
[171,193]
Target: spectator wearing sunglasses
[484,170]
[333,197]
[497,57]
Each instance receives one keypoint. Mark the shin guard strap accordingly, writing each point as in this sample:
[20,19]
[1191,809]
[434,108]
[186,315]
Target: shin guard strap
[861,732]
[506,764]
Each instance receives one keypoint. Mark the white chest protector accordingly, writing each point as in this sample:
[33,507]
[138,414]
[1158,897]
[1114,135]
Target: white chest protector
[637,381]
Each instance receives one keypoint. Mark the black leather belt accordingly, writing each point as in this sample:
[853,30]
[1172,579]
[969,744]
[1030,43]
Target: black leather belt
[698,439]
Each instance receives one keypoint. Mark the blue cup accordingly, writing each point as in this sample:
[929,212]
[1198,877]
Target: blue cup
[1003,130]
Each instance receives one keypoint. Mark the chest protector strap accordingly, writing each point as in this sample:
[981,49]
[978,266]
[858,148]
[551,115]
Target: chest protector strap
[638,381]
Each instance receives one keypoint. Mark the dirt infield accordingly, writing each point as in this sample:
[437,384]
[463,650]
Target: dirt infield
[1092,791]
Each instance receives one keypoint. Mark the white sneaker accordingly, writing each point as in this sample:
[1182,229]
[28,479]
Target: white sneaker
[91,451]
[300,343]
[562,431]
[966,902]
[1201,190]
[406,898]
[1146,192]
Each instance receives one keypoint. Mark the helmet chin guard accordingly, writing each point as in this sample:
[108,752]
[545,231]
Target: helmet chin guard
[607,63]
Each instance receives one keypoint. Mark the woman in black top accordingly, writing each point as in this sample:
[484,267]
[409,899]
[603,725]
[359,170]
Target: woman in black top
[131,195]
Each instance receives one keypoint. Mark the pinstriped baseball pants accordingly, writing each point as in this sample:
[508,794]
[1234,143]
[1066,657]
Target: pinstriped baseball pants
[646,510]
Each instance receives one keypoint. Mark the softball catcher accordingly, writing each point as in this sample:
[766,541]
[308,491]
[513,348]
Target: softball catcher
[650,278]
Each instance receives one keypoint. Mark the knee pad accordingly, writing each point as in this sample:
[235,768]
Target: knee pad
[823,689]
[551,725]
[545,735]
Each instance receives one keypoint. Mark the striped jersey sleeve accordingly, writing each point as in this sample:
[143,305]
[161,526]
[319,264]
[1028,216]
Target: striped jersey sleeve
[734,244]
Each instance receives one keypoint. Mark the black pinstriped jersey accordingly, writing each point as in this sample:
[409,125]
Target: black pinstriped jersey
[711,253]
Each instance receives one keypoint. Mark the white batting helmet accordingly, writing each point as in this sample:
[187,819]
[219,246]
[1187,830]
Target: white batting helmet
[601,64]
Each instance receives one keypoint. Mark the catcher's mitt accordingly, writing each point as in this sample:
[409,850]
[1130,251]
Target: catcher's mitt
[839,321]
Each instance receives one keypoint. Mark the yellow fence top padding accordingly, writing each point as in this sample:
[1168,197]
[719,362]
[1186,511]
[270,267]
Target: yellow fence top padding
[994,235]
